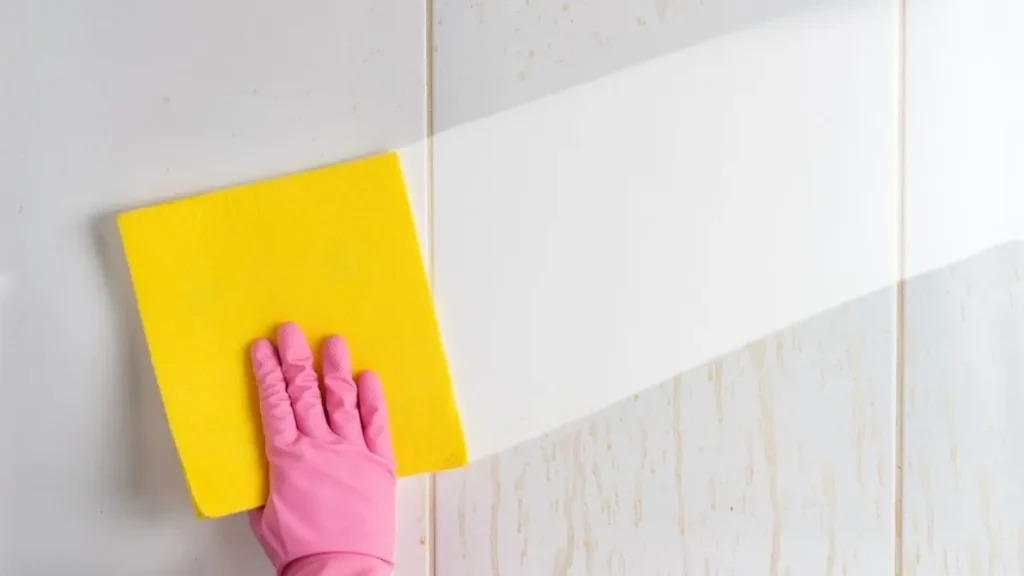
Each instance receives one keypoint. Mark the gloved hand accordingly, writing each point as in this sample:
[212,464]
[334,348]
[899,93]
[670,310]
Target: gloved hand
[331,509]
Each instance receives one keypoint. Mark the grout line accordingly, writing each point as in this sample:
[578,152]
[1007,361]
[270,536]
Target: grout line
[428,47]
[429,98]
[898,477]
[431,527]
[429,101]
[901,207]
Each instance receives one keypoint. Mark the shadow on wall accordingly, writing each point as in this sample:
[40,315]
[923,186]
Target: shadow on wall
[152,485]
[151,479]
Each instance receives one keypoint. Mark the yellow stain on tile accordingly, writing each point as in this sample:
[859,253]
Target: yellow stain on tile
[333,249]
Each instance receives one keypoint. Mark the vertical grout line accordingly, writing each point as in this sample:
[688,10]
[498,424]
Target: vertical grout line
[429,64]
[901,207]
[428,41]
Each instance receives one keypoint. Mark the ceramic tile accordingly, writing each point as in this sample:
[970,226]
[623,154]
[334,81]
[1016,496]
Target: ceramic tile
[963,129]
[963,455]
[963,321]
[773,459]
[597,240]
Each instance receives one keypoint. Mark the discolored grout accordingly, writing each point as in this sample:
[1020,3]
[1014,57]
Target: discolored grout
[900,285]
[428,96]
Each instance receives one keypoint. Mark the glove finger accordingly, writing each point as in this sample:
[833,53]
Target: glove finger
[275,408]
[302,384]
[340,392]
[373,413]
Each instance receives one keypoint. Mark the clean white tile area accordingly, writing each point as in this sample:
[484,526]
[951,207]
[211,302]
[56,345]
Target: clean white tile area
[964,85]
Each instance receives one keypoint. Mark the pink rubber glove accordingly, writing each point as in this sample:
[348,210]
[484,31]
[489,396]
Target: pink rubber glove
[331,509]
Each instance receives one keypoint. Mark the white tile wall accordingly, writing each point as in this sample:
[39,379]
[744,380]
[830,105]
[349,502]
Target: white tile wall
[964,194]
[621,192]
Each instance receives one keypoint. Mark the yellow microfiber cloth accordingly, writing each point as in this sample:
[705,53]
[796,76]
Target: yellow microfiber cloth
[332,249]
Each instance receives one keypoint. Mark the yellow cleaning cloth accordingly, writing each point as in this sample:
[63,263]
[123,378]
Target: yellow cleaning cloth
[333,249]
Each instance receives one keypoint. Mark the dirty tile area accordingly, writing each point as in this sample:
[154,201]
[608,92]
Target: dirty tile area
[963,456]
[775,459]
